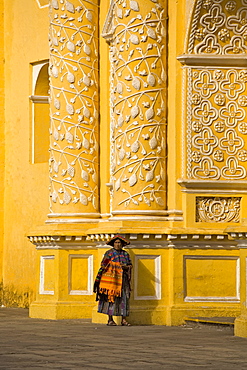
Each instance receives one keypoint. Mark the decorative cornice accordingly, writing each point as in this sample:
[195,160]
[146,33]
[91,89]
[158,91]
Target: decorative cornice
[213,60]
[217,185]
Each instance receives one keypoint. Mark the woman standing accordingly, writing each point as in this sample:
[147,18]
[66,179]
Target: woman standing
[112,283]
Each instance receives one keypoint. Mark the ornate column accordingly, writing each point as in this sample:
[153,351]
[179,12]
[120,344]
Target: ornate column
[137,33]
[74,153]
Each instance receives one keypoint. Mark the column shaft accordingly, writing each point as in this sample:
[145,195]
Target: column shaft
[74,152]
[138,108]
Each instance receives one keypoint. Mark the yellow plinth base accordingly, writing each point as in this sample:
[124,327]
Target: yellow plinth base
[240,326]
[60,310]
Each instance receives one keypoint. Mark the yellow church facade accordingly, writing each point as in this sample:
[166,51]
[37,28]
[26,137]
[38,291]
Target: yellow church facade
[129,117]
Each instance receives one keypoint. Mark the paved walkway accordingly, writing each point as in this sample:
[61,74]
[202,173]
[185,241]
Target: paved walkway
[77,344]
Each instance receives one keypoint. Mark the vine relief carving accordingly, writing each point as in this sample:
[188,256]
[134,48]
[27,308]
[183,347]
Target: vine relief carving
[219,27]
[218,209]
[74,104]
[138,104]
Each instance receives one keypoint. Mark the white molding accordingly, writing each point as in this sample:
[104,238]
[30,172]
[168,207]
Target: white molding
[39,99]
[42,275]
[157,277]
[230,299]
[213,185]
[211,60]
[89,290]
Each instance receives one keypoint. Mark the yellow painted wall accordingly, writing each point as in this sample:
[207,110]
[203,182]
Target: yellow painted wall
[26,185]
[2,154]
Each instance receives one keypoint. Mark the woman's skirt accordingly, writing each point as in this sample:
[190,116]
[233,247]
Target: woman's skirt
[120,307]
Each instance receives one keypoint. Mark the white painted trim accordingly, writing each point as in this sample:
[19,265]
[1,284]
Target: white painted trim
[90,215]
[89,290]
[212,60]
[157,277]
[229,299]
[39,99]
[140,212]
[42,275]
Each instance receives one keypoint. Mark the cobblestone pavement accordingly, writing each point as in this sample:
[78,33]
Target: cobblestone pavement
[77,344]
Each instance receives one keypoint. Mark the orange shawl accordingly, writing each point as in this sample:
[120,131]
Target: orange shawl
[111,281]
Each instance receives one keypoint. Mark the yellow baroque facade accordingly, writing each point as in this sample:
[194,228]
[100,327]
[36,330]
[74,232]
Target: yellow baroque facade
[130,117]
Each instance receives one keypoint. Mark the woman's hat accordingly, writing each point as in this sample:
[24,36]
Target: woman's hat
[123,240]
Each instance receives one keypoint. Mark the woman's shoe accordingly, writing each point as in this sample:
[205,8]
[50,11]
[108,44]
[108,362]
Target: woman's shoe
[125,323]
[111,323]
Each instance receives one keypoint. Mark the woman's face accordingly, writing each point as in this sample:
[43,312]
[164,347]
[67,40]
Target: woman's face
[118,244]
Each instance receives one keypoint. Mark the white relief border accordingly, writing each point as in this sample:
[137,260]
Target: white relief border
[42,275]
[234,299]
[89,277]
[157,277]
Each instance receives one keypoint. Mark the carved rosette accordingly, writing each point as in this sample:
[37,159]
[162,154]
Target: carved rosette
[218,209]
[138,106]
[217,95]
[74,107]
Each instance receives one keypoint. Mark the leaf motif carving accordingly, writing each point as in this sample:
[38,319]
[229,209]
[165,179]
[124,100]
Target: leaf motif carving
[119,88]
[71,171]
[150,175]
[57,104]
[151,33]
[134,39]
[153,142]
[160,201]
[87,49]
[54,71]
[94,177]
[71,77]
[135,146]
[151,80]
[70,109]
[121,154]
[83,199]
[86,112]
[85,143]
[149,114]
[86,80]
[134,6]
[56,134]
[69,137]
[135,111]
[70,7]
[66,197]
[89,15]
[120,13]
[54,4]
[71,46]
[54,196]
[136,83]
[132,180]
[84,175]
[120,121]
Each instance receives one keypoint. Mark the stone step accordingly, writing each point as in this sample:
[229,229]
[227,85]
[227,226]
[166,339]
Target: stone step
[213,321]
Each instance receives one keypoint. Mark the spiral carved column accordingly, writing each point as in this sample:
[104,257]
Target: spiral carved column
[74,153]
[137,34]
